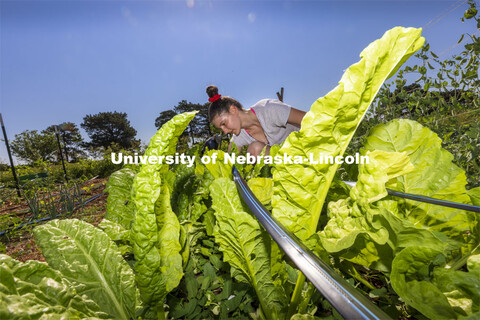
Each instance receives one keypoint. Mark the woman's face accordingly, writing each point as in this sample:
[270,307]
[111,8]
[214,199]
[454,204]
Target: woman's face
[228,122]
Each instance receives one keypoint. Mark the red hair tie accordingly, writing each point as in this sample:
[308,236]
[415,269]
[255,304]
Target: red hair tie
[214,98]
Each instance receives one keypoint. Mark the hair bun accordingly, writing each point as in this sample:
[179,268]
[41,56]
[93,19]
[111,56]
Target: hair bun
[212,91]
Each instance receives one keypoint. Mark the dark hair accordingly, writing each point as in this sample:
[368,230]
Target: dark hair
[221,105]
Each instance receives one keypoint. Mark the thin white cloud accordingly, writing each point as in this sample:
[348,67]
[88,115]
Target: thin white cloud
[251,17]
[127,14]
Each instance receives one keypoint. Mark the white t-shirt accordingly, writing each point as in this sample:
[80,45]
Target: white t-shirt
[273,116]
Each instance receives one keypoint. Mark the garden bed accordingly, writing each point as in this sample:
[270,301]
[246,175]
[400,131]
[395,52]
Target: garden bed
[20,244]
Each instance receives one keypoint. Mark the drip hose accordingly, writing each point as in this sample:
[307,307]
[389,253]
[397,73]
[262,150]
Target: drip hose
[349,302]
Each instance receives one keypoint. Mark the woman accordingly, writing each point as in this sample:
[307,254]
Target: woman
[266,123]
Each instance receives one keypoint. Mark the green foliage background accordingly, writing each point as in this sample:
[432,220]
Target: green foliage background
[442,94]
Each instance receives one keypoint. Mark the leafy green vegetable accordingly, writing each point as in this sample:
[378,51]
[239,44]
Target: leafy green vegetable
[246,246]
[410,270]
[263,189]
[380,233]
[120,207]
[182,191]
[188,193]
[370,233]
[114,230]
[299,190]
[33,290]
[156,230]
[435,175]
[207,283]
[117,233]
[462,289]
[439,294]
[88,259]
[352,229]
[193,231]
[373,176]
[474,195]
[219,169]
[423,250]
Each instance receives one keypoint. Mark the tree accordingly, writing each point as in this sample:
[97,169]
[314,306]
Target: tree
[107,128]
[198,129]
[72,139]
[32,146]
[164,117]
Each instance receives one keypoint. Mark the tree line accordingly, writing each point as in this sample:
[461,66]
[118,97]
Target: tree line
[440,93]
[107,131]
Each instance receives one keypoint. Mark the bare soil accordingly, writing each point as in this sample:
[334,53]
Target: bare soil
[21,245]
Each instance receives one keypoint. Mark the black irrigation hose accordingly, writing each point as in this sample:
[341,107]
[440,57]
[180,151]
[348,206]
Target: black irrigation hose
[416,197]
[49,218]
[438,202]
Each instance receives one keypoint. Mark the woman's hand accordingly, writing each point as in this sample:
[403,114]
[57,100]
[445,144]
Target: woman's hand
[237,149]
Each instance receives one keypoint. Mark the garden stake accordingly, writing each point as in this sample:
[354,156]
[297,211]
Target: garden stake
[61,152]
[17,185]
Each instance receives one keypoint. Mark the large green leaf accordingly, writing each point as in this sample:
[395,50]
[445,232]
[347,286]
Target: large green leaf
[420,278]
[219,168]
[373,176]
[188,193]
[475,195]
[462,289]
[263,189]
[246,247]
[369,232]
[410,272]
[435,175]
[156,230]
[300,190]
[410,249]
[120,207]
[88,259]
[361,230]
[33,290]
[117,233]
[114,230]
[183,188]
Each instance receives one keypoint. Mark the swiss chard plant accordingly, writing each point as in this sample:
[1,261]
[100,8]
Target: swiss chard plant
[300,191]
[178,242]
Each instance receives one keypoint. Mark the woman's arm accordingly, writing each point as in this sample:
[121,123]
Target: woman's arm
[295,117]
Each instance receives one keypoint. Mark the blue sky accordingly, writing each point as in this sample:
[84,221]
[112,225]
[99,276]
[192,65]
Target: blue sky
[62,60]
